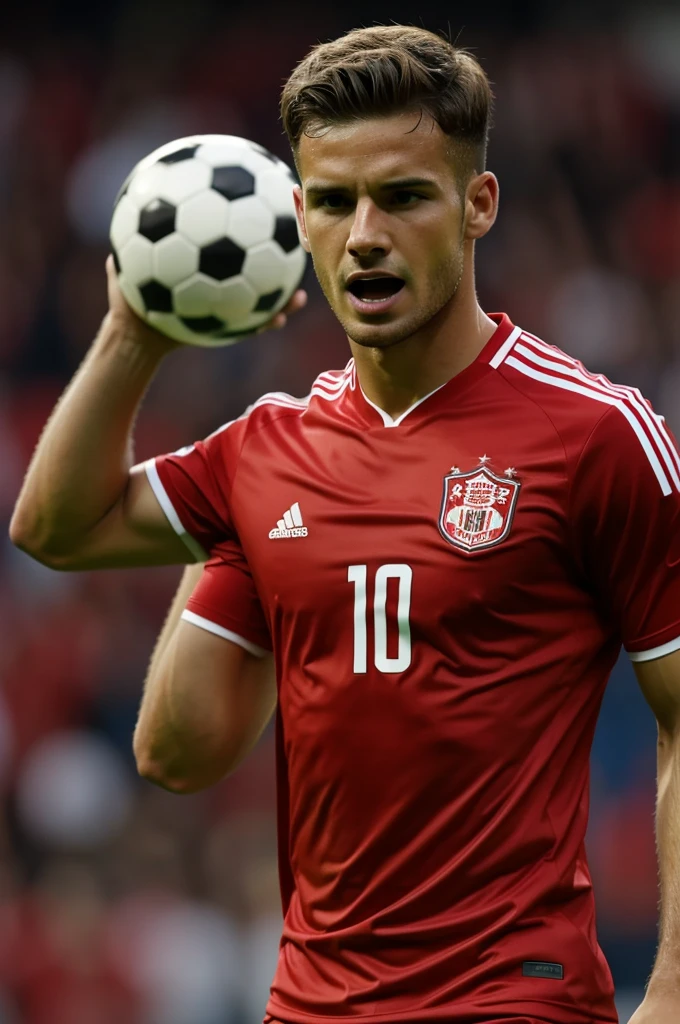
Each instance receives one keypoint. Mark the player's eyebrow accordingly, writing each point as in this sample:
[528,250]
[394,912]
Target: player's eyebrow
[409,183]
[318,188]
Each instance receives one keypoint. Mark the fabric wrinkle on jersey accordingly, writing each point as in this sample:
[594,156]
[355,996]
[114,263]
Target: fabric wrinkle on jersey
[445,595]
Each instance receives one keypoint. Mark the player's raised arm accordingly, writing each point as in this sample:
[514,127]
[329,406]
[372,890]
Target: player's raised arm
[80,506]
[83,505]
[210,690]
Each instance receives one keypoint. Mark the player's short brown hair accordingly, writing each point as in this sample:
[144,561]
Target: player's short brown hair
[386,69]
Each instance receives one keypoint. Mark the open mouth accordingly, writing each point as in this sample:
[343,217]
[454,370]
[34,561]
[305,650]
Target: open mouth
[375,289]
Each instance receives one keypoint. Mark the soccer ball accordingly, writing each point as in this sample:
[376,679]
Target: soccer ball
[205,239]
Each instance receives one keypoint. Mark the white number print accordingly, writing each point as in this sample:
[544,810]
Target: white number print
[358,575]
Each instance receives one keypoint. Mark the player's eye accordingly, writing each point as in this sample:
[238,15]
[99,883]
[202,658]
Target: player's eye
[333,201]
[406,197]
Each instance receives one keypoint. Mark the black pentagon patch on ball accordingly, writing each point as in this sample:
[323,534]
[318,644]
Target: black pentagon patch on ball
[233,182]
[116,261]
[221,260]
[157,220]
[178,155]
[286,233]
[157,298]
[268,301]
[202,324]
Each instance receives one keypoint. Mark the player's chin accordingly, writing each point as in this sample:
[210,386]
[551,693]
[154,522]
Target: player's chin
[379,335]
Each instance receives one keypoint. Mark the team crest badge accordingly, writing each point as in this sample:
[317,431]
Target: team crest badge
[478,507]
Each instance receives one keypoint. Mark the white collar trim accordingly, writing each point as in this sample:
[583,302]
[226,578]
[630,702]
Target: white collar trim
[385,416]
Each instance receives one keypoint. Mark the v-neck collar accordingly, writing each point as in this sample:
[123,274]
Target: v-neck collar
[505,333]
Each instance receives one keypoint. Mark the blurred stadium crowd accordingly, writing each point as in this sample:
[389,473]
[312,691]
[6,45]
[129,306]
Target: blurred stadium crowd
[120,903]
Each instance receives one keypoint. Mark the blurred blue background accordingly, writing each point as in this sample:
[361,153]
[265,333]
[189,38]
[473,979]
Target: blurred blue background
[120,904]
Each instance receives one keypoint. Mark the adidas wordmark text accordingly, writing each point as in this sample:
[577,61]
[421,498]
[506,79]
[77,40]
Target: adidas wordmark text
[291,524]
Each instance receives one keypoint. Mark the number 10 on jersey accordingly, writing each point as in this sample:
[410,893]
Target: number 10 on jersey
[358,575]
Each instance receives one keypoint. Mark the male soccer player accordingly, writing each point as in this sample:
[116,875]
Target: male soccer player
[444,544]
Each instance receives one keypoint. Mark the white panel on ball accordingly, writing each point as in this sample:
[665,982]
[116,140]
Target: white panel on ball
[124,223]
[132,295]
[196,297]
[136,259]
[265,267]
[277,189]
[250,221]
[184,180]
[256,163]
[147,184]
[174,260]
[236,300]
[296,261]
[221,150]
[203,219]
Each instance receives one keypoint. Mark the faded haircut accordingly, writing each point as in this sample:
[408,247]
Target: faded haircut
[383,70]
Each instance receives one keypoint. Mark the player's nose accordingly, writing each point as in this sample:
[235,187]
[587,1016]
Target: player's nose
[368,235]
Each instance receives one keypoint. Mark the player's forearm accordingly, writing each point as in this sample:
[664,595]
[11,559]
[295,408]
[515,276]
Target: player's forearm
[80,467]
[666,974]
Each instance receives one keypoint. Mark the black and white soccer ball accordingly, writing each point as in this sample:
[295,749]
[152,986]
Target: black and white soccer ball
[205,239]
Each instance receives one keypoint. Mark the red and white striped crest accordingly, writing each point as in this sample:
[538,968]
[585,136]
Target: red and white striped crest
[477,508]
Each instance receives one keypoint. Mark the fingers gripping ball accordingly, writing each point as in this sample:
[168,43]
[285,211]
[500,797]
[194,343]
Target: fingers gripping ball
[205,240]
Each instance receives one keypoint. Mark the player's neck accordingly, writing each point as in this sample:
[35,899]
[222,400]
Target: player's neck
[397,377]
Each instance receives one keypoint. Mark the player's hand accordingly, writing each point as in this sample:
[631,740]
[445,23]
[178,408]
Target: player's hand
[124,319]
[297,302]
[658,1008]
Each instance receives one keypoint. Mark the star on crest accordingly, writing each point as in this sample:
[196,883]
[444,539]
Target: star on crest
[483,459]
[510,471]
[454,469]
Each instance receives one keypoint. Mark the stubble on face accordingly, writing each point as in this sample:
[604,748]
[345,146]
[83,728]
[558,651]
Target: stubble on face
[444,283]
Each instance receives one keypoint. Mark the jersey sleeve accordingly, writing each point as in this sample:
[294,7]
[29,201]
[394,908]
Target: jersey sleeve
[625,512]
[225,601]
[193,486]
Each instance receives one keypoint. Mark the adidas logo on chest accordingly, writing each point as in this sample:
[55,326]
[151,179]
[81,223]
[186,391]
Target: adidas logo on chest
[291,525]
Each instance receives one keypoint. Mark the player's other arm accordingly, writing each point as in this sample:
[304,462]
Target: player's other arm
[80,505]
[206,702]
[660,683]
[625,517]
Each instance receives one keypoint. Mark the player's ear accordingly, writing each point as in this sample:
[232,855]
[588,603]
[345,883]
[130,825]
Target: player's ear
[481,204]
[300,214]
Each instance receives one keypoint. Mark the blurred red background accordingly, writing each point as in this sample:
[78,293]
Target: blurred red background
[118,902]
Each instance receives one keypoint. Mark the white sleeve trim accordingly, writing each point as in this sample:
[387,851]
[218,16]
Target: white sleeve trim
[212,627]
[169,509]
[655,652]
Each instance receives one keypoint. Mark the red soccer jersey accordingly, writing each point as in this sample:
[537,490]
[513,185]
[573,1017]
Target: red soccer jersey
[446,594]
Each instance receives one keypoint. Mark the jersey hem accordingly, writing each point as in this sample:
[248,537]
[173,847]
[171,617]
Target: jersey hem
[171,513]
[226,634]
[445,1014]
[655,652]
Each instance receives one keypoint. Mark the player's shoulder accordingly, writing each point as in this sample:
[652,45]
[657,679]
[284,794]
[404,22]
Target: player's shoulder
[615,422]
[572,396]
[279,411]
[278,407]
